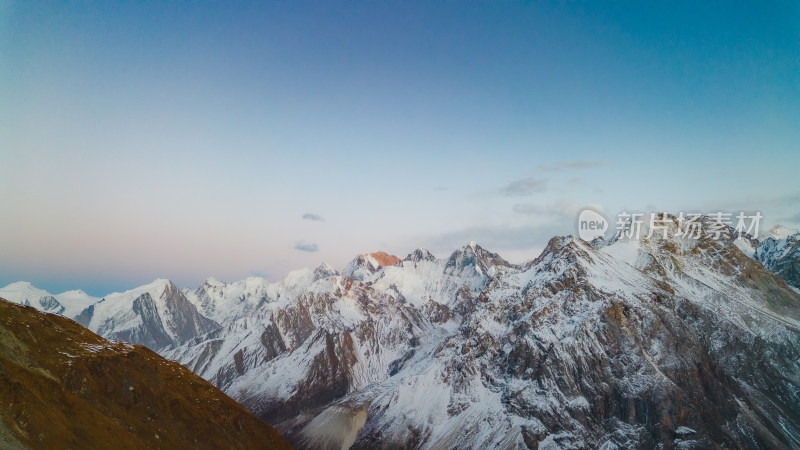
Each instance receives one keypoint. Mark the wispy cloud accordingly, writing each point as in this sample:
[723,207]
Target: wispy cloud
[563,165]
[303,247]
[537,183]
[314,217]
[563,209]
[527,208]
[525,186]
[582,164]
[440,188]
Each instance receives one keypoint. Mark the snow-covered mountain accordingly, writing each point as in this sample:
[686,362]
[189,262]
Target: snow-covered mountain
[778,232]
[364,266]
[156,315]
[226,302]
[669,340]
[68,304]
[222,301]
[779,251]
[660,341]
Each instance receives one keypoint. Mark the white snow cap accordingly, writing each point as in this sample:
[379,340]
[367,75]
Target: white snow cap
[211,281]
[778,232]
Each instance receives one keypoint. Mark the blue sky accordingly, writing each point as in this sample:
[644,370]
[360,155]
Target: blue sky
[185,140]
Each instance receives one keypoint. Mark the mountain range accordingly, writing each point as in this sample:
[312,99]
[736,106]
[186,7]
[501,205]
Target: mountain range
[665,341]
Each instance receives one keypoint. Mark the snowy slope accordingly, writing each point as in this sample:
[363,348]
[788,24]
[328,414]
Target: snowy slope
[68,304]
[581,347]
[224,302]
[227,302]
[778,232]
[779,251]
[156,315]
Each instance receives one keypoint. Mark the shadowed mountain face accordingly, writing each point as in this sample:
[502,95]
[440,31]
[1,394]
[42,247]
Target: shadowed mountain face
[62,386]
[781,254]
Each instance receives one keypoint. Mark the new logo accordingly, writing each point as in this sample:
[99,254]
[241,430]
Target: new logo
[591,224]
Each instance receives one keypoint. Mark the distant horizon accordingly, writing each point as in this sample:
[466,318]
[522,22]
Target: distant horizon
[142,140]
[274,279]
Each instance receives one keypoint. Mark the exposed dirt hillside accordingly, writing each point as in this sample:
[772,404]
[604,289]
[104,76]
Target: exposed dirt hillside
[62,386]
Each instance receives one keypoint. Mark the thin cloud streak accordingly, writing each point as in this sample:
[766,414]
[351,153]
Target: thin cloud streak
[565,165]
[527,208]
[525,186]
[303,247]
[313,217]
[535,184]
[582,164]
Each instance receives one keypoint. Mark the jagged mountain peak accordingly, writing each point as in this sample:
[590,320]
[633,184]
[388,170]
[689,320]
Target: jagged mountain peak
[323,271]
[384,259]
[211,281]
[475,248]
[560,244]
[563,249]
[420,254]
[156,288]
[473,255]
[156,315]
[780,253]
[364,266]
[778,232]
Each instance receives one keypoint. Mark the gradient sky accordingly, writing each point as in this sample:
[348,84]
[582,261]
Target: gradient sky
[184,140]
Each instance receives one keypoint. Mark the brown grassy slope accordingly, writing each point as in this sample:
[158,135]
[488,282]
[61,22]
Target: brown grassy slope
[62,386]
